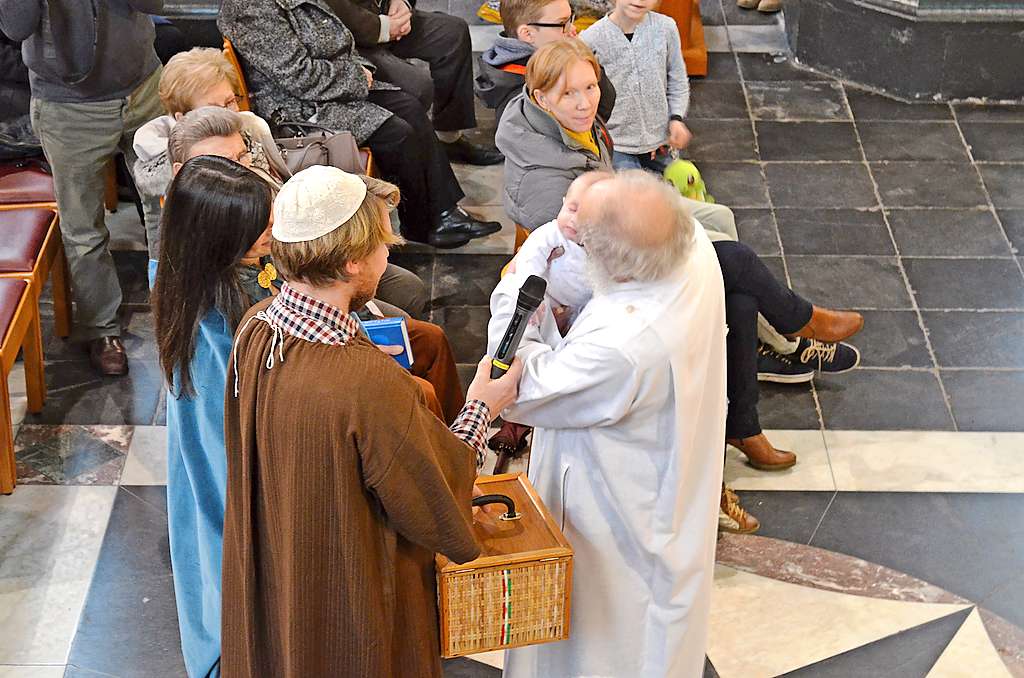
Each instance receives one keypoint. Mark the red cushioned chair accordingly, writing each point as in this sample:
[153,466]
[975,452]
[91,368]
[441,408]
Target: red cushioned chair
[19,329]
[31,250]
[24,184]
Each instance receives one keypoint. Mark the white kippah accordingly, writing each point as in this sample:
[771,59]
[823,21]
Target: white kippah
[316,201]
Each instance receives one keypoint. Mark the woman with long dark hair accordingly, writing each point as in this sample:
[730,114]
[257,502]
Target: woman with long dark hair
[214,228]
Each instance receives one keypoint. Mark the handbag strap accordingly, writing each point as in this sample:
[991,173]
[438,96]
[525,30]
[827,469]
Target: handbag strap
[301,127]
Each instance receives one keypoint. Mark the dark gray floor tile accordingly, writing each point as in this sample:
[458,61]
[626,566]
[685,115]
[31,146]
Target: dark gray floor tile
[717,100]
[995,141]
[737,16]
[807,141]
[966,339]
[1013,224]
[947,233]
[789,406]
[735,184]
[466,373]
[882,400]
[912,141]
[466,279]
[828,185]
[989,112]
[777,268]
[968,544]
[1009,596]
[1005,184]
[820,231]
[928,184]
[129,626]
[870,106]
[711,15]
[789,100]
[709,669]
[908,653]
[77,395]
[966,283]
[985,400]
[463,667]
[774,67]
[466,327]
[849,282]
[132,272]
[138,333]
[756,228]
[422,264]
[721,140]
[790,516]
[891,339]
[722,66]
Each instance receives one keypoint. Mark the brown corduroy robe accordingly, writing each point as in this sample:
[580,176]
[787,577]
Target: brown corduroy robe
[341,486]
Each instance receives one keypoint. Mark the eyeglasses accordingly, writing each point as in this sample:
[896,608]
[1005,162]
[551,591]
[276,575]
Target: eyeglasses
[564,26]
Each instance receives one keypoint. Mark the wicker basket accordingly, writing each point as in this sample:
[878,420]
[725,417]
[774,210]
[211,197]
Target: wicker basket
[518,591]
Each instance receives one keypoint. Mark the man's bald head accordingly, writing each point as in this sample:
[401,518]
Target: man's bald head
[634,227]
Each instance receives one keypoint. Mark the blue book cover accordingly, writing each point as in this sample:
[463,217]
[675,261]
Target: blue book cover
[391,332]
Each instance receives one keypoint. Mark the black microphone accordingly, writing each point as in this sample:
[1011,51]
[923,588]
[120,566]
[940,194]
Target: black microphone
[530,296]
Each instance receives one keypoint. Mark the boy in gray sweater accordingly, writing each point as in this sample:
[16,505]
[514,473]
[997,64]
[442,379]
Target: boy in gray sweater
[641,52]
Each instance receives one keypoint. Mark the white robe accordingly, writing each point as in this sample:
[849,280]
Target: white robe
[629,411]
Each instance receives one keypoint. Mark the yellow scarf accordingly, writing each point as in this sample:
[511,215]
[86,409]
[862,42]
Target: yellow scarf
[584,139]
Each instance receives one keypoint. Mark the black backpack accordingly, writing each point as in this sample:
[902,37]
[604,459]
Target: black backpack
[16,137]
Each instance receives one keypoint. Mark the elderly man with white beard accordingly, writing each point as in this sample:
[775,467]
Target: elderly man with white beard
[629,409]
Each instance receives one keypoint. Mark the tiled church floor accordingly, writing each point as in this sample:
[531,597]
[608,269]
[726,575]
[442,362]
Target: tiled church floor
[893,548]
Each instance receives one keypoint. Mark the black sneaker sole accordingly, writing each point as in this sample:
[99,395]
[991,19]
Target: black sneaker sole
[786,378]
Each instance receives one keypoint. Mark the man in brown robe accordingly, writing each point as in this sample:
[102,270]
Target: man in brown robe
[341,483]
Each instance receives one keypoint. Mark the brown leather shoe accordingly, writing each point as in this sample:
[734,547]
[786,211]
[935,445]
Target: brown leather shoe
[108,357]
[761,454]
[734,518]
[769,6]
[831,326]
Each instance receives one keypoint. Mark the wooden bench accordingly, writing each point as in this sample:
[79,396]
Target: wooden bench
[31,250]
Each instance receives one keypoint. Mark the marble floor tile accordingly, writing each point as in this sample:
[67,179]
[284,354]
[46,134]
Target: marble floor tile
[1005,184]
[970,653]
[19,398]
[78,395]
[774,67]
[32,671]
[735,184]
[986,400]
[834,231]
[147,457]
[717,101]
[758,39]
[883,400]
[466,280]
[791,516]
[925,461]
[849,282]
[711,13]
[716,39]
[132,272]
[463,667]
[928,184]
[737,16]
[466,327]
[483,36]
[908,653]
[912,141]
[1013,223]
[787,406]
[891,339]
[495,659]
[138,333]
[768,609]
[722,67]
[976,339]
[756,228]
[792,100]
[126,230]
[820,184]
[483,186]
[981,283]
[421,263]
[834,140]
[811,473]
[940,232]
[972,112]
[718,140]
[71,454]
[870,106]
[51,539]
[995,141]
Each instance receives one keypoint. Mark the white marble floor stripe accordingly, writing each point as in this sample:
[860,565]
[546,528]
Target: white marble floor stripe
[147,457]
[50,540]
[970,654]
[763,627]
[32,671]
[812,472]
[19,398]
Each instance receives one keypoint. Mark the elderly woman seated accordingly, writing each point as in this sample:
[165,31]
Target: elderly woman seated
[556,137]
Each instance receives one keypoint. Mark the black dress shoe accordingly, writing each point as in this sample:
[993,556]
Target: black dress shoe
[462,150]
[456,220]
[447,238]
[108,357]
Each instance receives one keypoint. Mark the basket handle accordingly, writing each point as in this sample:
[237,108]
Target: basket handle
[510,506]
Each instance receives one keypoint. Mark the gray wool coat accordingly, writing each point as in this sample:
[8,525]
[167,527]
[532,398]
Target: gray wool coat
[541,161]
[301,62]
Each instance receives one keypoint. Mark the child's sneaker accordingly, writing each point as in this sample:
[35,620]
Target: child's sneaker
[732,517]
[832,358]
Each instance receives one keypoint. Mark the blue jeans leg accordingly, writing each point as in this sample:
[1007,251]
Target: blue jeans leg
[625,161]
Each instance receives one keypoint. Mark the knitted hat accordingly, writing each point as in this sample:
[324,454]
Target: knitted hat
[316,201]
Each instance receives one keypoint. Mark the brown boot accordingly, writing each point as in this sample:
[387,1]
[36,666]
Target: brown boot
[831,326]
[732,517]
[761,454]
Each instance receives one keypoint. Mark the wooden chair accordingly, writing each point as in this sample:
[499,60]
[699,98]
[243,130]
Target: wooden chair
[521,235]
[244,104]
[19,329]
[31,249]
